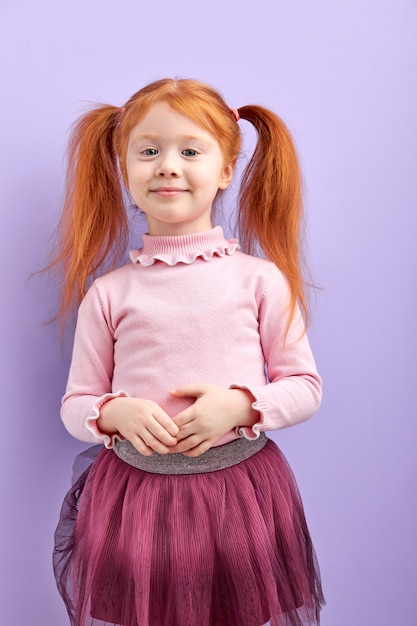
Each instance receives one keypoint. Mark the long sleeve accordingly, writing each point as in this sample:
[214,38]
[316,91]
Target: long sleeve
[293,391]
[90,378]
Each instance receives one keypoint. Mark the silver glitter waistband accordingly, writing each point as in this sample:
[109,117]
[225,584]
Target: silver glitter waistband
[216,458]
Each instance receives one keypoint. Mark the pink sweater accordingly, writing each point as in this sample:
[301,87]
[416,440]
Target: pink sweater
[190,309]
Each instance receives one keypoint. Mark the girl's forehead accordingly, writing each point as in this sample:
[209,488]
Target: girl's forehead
[163,120]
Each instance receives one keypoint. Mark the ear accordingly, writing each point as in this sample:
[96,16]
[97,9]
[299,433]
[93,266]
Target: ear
[226,176]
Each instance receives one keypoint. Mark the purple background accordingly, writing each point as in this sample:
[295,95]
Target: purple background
[343,75]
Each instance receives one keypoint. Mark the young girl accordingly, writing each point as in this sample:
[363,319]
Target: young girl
[183,359]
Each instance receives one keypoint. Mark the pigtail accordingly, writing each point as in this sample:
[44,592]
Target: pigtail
[271,200]
[93,228]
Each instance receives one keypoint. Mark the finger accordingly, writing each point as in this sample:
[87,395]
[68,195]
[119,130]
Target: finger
[157,432]
[156,445]
[141,446]
[187,430]
[147,445]
[187,444]
[198,450]
[190,391]
[164,423]
[183,418]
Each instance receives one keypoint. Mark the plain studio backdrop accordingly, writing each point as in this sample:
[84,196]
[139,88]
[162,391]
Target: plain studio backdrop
[343,76]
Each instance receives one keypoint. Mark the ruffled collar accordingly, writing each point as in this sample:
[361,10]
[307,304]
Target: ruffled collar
[184,248]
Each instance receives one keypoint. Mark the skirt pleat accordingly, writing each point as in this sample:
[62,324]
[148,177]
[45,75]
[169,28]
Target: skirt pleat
[224,548]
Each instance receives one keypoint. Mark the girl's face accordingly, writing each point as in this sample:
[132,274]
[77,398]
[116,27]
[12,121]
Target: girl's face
[174,170]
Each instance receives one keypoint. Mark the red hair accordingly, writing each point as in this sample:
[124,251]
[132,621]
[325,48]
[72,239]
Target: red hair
[93,229]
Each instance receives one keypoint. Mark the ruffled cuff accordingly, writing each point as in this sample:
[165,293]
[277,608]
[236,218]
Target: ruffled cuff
[91,421]
[252,432]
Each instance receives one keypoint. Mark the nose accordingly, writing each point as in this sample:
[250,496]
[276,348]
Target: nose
[168,166]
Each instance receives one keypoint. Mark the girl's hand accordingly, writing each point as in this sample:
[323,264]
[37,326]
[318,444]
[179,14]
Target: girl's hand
[215,412]
[142,422]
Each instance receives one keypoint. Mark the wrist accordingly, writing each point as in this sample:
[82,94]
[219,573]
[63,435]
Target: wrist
[106,422]
[247,415]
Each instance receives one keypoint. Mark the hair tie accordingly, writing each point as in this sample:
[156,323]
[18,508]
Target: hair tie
[235,114]
[122,110]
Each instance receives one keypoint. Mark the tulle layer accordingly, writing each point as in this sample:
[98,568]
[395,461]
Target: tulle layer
[226,548]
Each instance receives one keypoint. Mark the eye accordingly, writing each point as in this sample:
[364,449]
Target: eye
[150,152]
[189,152]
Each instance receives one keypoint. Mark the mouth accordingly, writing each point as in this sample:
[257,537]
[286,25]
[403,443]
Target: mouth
[168,191]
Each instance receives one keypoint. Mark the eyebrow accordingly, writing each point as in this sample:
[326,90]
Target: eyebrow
[156,136]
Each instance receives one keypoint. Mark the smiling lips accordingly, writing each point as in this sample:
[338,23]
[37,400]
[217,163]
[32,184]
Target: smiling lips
[168,191]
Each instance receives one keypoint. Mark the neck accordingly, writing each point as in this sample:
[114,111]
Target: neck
[162,229]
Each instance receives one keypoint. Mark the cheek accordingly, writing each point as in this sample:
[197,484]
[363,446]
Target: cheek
[206,178]
[135,177]
[135,188]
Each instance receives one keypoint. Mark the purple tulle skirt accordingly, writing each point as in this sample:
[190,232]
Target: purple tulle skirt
[224,548]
